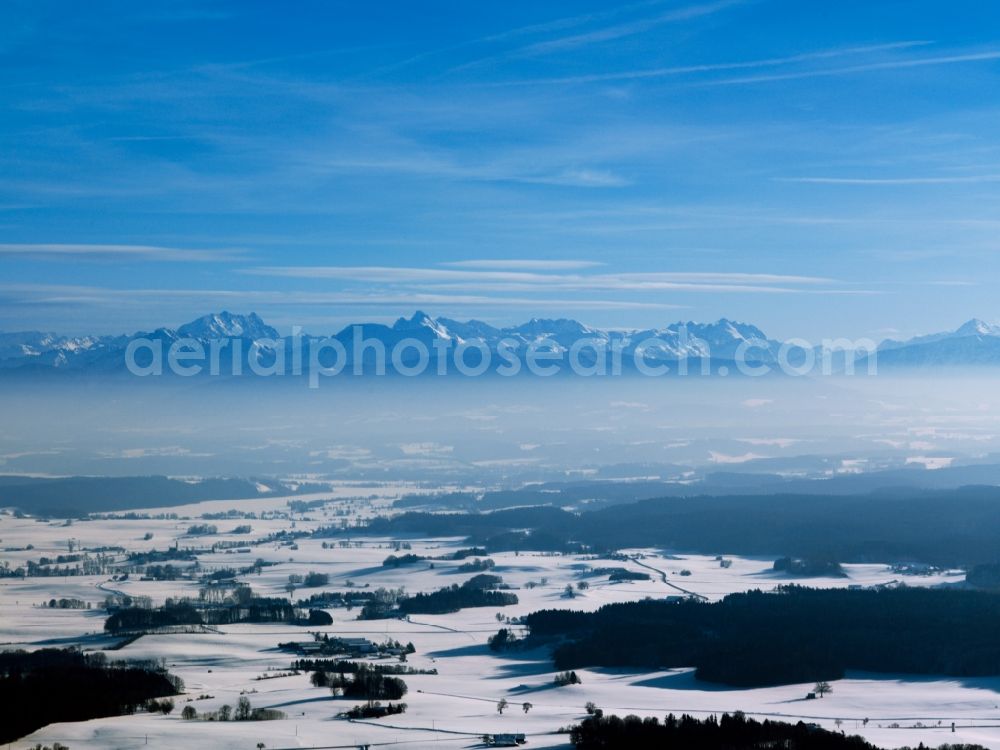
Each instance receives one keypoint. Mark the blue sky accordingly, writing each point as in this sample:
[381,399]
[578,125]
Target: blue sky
[813,168]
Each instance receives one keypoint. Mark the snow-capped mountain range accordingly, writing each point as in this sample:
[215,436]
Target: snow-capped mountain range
[718,340]
[715,341]
[39,351]
[975,342]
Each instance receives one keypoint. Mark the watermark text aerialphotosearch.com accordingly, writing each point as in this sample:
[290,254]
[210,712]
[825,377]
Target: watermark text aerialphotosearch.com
[324,357]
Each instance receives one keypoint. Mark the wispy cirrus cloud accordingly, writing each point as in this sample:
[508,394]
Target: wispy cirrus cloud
[918,62]
[502,280]
[629,151]
[71,295]
[519,32]
[118,252]
[422,165]
[681,70]
[598,35]
[524,264]
[929,180]
[628,28]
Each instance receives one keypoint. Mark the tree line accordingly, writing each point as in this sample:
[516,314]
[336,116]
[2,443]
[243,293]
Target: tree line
[54,685]
[184,612]
[478,591]
[944,527]
[790,636]
[728,732]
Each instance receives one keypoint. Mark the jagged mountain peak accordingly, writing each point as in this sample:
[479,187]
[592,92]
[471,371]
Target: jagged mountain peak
[723,328]
[735,328]
[227,325]
[421,321]
[977,327]
[419,318]
[470,329]
[552,326]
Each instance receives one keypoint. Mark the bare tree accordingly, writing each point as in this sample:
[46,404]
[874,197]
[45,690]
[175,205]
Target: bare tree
[822,688]
[243,709]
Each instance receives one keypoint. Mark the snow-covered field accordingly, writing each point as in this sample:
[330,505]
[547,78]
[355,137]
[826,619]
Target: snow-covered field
[457,705]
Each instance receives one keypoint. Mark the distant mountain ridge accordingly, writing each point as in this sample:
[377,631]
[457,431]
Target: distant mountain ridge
[973,343]
[42,351]
[717,341]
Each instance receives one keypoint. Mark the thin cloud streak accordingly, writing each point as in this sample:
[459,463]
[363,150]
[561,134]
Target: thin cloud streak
[652,286]
[402,274]
[118,252]
[956,180]
[522,281]
[42,294]
[866,68]
[438,168]
[630,28]
[606,34]
[527,265]
[714,67]
[556,24]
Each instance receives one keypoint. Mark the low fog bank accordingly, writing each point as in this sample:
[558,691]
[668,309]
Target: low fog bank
[496,430]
